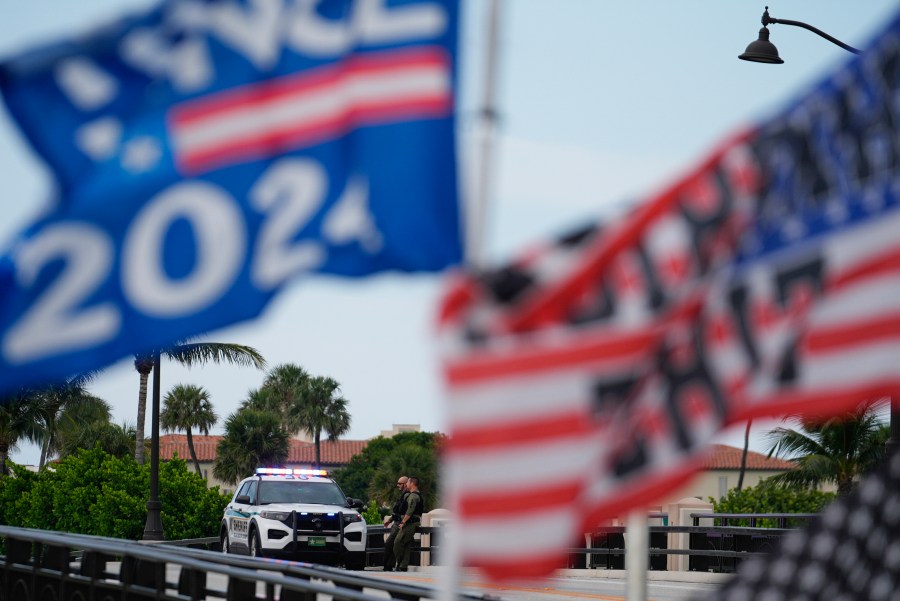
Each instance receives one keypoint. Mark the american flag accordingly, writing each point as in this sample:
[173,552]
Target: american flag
[585,377]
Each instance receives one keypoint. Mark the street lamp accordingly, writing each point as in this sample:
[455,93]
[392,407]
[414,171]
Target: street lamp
[762,50]
[153,528]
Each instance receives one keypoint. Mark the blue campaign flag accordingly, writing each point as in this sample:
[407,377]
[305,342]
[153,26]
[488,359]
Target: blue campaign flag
[208,151]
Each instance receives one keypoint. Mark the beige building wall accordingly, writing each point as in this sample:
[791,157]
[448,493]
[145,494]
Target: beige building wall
[717,483]
[398,428]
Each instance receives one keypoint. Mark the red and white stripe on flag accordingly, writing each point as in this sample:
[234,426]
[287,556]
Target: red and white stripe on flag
[263,118]
[585,379]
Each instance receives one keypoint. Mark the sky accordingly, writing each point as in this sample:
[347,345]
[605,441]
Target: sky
[600,105]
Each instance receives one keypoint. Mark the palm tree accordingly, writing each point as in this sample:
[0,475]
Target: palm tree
[744,452]
[410,460]
[187,406]
[144,365]
[16,423]
[831,450]
[282,389]
[304,402]
[114,439]
[188,354]
[252,438]
[79,423]
[47,404]
[322,408]
[262,400]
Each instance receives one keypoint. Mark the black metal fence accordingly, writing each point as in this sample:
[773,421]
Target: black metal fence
[717,547]
[375,546]
[40,565]
[54,566]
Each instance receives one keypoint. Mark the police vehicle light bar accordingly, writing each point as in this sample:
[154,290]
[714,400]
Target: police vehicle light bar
[286,471]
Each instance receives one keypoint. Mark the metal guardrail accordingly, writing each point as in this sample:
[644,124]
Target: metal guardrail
[716,548]
[374,546]
[781,518]
[39,564]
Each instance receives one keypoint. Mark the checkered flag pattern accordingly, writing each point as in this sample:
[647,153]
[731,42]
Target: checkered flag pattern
[850,553]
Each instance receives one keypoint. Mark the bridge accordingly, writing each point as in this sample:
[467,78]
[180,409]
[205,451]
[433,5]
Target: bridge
[54,566]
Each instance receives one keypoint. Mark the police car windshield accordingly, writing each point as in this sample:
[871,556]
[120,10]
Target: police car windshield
[300,491]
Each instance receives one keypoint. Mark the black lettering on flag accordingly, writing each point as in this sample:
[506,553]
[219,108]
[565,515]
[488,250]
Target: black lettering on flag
[656,298]
[809,275]
[610,395]
[686,374]
[508,284]
[706,226]
[601,306]
[737,298]
[634,457]
[580,236]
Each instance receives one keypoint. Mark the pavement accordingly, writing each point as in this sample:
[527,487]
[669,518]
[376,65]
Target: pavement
[652,575]
[574,585]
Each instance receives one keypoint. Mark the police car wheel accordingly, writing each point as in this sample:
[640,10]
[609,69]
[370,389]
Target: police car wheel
[355,561]
[255,545]
[226,548]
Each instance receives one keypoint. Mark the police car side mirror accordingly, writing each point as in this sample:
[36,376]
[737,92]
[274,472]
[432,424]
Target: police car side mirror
[242,499]
[354,503]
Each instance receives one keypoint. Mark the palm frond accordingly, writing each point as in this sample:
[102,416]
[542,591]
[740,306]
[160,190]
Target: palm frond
[201,353]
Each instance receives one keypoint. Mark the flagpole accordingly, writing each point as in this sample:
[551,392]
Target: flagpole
[478,193]
[486,127]
[637,554]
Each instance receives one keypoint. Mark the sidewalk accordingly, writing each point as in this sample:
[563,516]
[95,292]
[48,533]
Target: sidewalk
[696,577]
[652,575]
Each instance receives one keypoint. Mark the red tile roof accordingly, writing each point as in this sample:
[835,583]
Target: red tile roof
[334,454]
[722,457]
[339,453]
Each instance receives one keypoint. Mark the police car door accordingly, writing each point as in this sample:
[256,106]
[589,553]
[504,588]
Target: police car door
[239,514]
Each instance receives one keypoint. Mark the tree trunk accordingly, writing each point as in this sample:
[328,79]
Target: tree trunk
[844,486]
[317,438]
[4,453]
[43,460]
[144,365]
[740,483]
[190,440]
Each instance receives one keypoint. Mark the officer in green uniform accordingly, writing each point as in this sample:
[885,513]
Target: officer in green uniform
[409,523]
[394,521]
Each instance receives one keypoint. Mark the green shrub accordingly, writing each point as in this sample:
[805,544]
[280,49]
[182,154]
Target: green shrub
[92,492]
[771,499]
[13,494]
[372,515]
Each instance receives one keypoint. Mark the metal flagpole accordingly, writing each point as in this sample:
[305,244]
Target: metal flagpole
[478,195]
[637,555]
[485,131]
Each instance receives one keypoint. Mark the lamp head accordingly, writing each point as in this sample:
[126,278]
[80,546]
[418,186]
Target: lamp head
[762,50]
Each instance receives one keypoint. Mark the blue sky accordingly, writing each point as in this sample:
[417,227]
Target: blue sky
[600,104]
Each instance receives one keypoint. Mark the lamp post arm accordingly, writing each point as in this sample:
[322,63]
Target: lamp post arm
[766,20]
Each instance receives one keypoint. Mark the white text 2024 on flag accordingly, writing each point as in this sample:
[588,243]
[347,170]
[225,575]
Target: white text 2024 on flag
[585,378]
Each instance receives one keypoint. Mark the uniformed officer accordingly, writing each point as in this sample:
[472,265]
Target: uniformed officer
[409,523]
[393,520]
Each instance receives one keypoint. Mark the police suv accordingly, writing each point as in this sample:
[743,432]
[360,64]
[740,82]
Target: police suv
[295,513]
